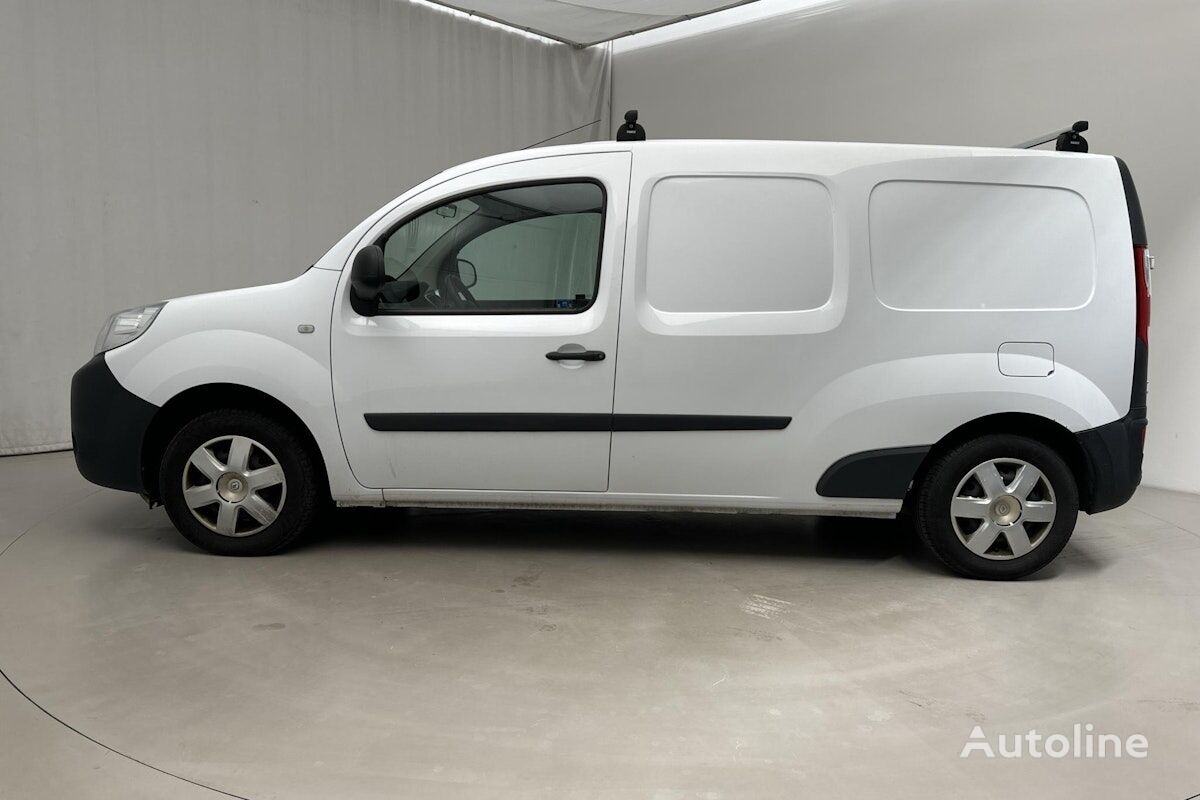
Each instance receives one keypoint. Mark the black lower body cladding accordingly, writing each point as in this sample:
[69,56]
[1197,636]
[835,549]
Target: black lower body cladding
[108,425]
[1113,458]
[1112,462]
[882,473]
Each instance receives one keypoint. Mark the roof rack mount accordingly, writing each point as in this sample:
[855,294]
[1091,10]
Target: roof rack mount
[1066,140]
[631,131]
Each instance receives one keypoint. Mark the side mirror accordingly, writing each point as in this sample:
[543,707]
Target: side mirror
[366,280]
[467,273]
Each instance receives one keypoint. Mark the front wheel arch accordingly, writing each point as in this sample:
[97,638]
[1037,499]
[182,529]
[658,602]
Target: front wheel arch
[191,403]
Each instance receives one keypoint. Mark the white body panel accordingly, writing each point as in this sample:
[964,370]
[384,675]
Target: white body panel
[855,375]
[249,337]
[857,356]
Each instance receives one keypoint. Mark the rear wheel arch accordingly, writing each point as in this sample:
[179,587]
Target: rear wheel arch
[191,403]
[1032,426]
[999,506]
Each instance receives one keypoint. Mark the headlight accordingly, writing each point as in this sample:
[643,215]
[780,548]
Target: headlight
[125,326]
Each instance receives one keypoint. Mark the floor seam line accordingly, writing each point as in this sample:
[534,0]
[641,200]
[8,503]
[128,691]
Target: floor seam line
[111,749]
[70,727]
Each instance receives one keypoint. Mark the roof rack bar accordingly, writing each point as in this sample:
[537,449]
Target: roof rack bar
[1071,132]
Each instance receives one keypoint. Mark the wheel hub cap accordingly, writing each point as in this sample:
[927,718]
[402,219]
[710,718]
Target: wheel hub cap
[1005,510]
[233,487]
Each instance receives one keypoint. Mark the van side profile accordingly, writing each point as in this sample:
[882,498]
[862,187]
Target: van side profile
[956,333]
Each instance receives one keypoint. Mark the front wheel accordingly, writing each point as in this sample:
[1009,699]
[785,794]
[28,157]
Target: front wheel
[239,483]
[998,507]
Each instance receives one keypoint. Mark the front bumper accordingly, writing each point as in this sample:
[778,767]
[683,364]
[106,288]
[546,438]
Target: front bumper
[1113,459]
[108,426]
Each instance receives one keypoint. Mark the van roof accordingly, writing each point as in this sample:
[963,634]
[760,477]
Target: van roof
[731,148]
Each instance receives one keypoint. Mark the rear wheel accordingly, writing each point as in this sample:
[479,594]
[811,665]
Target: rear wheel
[238,482]
[998,507]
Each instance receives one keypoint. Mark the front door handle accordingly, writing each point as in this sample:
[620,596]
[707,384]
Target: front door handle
[576,355]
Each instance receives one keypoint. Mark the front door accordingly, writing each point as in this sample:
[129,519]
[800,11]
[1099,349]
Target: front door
[491,362]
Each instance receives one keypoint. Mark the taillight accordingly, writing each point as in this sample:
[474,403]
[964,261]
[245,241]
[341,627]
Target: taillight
[1143,262]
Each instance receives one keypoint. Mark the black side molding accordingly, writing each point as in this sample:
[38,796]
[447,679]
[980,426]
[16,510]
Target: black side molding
[488,422]
[696,422]
[479,423]
[883,474]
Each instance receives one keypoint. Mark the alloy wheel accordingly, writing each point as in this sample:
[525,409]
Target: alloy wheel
[1003,508]
[234,486]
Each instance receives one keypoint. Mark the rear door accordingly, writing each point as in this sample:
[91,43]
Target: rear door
[481,381]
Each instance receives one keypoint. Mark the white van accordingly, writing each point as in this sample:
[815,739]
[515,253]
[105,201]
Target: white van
[796,327]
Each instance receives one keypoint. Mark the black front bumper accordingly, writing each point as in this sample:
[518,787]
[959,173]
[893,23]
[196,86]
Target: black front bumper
[1113,459]
[108,426]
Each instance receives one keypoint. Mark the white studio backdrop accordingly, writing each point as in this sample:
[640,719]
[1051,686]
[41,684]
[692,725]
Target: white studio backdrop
[984,72]
[152,149]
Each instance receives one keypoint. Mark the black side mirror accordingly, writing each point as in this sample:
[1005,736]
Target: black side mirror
[366,280]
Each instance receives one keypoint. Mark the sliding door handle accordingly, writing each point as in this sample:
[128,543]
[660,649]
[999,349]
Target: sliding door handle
[575,355]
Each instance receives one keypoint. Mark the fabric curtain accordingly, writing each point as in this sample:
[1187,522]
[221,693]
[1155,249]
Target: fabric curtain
[154,149]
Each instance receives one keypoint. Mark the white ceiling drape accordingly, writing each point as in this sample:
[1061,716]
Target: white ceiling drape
[588,22]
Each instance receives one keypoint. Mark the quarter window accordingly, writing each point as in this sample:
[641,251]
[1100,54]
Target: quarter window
[524,249]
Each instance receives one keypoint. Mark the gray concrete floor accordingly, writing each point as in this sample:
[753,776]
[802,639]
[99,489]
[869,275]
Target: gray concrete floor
[572,655]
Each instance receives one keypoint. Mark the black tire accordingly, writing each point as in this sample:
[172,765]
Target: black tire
[933,521]
[299,496]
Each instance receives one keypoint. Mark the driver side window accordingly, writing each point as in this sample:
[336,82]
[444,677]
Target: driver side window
[524,249]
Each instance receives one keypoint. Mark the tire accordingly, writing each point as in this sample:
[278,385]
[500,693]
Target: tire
[1008,529]
[211,456]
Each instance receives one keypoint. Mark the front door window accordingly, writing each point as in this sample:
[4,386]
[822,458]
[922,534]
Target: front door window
[518,250]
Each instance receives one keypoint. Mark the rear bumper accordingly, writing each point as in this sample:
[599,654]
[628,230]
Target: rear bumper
[108,425]
[1113,459]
